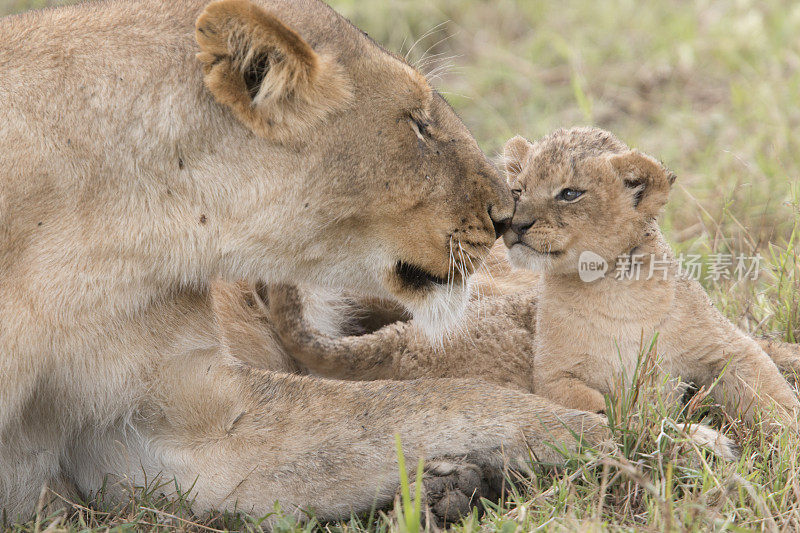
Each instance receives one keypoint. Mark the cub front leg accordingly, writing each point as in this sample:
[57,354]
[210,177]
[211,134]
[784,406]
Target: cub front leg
[571,392]
[245,438]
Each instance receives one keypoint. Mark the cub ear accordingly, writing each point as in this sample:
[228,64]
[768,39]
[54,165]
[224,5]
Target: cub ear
[260,68]
[648,180]
[515,154]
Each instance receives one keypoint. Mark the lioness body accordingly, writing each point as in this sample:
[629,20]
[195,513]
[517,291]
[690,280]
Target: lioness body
[142,156]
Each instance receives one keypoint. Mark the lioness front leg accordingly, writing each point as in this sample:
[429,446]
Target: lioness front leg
[247,438]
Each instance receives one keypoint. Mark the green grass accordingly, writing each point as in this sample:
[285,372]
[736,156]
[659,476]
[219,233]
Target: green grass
[713,89]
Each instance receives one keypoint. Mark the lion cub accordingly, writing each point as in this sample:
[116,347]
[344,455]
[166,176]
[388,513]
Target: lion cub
[584,201]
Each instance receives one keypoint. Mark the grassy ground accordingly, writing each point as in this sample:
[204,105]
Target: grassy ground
[712,88]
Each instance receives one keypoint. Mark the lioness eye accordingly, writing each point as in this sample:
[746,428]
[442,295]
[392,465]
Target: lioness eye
[516,193]
[569,195]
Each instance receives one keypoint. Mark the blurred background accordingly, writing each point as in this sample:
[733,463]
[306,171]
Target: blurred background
[711,87]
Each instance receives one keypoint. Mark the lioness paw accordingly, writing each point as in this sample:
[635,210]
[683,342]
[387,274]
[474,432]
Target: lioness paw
[451,488]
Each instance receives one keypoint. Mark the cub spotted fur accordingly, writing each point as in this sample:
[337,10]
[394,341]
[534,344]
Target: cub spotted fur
[571,341]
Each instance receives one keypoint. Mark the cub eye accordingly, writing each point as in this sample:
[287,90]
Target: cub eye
[420,128]
[516,193]
[569,195]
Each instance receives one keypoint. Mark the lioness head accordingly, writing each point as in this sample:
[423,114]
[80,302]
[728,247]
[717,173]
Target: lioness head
[580,190]
[383,190]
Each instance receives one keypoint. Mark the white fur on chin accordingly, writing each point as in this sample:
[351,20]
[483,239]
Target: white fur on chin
[521,256]
[442,311]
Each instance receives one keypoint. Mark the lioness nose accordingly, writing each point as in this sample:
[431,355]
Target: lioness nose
[501,205]
[521,227]
[501,226]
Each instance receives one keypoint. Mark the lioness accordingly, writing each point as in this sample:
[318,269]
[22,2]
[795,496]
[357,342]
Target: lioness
[150,146]
[572,341]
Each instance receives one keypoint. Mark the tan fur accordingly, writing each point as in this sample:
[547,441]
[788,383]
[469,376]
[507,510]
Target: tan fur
[556,335]
[132,176]
[786,356]
[300,86]
[589,335]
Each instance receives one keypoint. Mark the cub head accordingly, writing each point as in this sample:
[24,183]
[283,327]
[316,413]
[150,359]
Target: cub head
[580,190]
[382,190]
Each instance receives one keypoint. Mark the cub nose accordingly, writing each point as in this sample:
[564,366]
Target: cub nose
[521,227]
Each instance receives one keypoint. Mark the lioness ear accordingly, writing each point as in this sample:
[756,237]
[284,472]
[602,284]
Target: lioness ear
[265,72]
[647,180]
[515,154]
